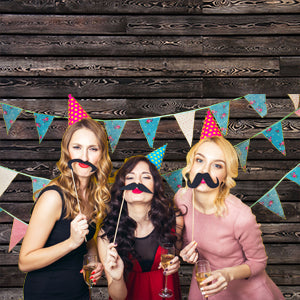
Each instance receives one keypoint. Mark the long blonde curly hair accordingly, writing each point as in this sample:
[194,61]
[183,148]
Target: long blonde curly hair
[231,161]
[98,190]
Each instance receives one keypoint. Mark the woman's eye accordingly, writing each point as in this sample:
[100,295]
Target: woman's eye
[128,177]
[147,177]
[199,160]
[76,147]
[218,166]
[94,149]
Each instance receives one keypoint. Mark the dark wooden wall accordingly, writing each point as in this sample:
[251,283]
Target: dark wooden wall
[131,59]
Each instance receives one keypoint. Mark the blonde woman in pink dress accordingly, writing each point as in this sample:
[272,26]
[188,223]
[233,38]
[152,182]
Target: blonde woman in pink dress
[225,231]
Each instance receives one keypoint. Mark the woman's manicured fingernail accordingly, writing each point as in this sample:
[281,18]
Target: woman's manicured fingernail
[93,273]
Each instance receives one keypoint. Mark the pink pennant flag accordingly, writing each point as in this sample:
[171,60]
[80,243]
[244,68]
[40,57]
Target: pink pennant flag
[17,233]
[297,112]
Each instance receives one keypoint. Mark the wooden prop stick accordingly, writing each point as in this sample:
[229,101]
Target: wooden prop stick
[76,195]
[119,217]
[193,215]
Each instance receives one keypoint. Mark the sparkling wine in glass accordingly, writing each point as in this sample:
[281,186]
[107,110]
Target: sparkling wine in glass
[89,264]
[167,254]
[202,271]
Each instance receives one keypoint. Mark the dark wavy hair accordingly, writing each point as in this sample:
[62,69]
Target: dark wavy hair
[162,213]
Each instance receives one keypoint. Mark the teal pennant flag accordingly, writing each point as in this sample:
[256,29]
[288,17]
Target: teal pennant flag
[37,184]
[242,152]
[149,127]
[275,136]
[272,202]
[42,123]
[156,157]
[258,102]
[221,114]
[114,129]
[10,114]
[174,179]
[294,175]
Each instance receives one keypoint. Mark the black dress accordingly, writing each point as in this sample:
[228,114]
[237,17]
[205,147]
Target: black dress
[61,280]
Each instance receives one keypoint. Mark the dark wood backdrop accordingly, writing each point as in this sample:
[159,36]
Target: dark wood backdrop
[131,59]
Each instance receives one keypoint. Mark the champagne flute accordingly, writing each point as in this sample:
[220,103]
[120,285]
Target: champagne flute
[89,264]
[202,271]
[167,254]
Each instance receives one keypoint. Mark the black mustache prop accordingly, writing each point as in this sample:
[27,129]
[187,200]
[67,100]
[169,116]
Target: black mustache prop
[197,180]
[94,168]
[140,186]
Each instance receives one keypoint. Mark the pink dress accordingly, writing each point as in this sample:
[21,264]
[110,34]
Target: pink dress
[227,241]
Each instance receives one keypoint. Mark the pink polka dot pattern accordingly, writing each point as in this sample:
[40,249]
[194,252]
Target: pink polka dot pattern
[210,127]
[76,112]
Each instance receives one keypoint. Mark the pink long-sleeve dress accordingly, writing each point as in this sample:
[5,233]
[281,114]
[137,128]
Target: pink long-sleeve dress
[228,241]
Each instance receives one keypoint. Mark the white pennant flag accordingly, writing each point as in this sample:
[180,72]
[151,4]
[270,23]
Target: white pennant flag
[295,99]
[6,177]
[186,123]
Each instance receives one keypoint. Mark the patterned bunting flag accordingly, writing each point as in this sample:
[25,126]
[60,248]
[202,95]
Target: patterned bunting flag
[42,123]
[17,233]
[37,184]
[275,136]
[258,102]
[10,114]
[6,177]
[156,157]
[295,99]
[297,112]
[186,123]
[114,129]
[272,202]
[242,152]
[174,179]
[0,209]
[294,175]
[221,114]
[149,127]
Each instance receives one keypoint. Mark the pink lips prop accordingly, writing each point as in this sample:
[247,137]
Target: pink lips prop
[136,191]
[203,181]
[83,165]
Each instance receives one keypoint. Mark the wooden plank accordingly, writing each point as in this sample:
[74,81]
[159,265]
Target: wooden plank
[263,215]
[187,25]
[153,87]
[248,190]
[272,234]
[137,46]
[289,292]
[126,108]
[232,87]
[289,66]
[106,87]
[280,274]
[99,45]
[251,45]
[248,7]
[103,6]
[176,149]
[133,67]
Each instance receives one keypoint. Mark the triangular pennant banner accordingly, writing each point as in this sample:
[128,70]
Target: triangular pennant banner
[272,202]
[156,157]
[174,179]
[1,209]
[294,175]
[17,233]
[275,136]
[221,114]
[114,129]
[242,152]
[210,127]
[42,123]
[186,123]
[6,177]
[297,112]
[149,127]
[258,102]
[295,99]
[10,114]
[75,111]
[38,183]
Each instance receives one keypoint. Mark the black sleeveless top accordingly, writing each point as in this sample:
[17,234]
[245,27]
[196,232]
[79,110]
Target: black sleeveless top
[62,279]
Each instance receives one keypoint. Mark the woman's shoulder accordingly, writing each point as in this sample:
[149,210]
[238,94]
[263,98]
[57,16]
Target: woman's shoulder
[236,205]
